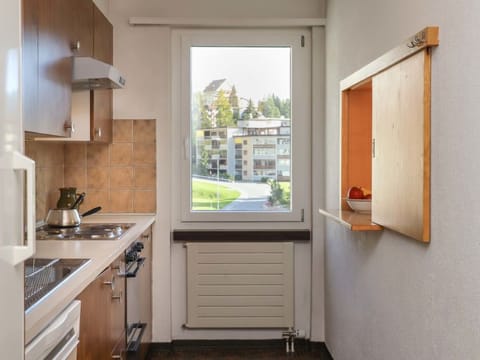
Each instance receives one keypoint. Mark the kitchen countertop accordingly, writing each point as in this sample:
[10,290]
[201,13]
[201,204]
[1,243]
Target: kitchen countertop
[101,253]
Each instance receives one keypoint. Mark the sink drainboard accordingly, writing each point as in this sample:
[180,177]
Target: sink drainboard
[43,275]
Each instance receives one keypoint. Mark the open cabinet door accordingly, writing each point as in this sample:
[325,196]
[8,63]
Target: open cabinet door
[14,169]
[401,147]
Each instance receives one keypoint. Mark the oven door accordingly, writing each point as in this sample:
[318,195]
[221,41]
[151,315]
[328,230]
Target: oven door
[137,316]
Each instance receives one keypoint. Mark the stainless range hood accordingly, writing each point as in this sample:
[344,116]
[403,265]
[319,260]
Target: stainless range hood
[89,73]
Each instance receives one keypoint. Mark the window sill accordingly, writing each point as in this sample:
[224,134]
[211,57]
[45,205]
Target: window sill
[352,220]
[240,235]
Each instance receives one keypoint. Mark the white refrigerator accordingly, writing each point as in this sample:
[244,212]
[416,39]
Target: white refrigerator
[17,187]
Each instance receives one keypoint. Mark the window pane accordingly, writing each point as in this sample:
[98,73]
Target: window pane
[240,128]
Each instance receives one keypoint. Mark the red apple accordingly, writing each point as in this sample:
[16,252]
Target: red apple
[355,193]
[368,196]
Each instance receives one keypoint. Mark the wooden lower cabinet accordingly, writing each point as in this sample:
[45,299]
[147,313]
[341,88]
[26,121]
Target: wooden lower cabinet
[102,320]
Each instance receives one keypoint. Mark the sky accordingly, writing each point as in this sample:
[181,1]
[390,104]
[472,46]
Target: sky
[255,72]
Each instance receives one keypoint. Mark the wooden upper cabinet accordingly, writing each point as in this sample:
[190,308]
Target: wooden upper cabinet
[53,32]
[47,66]
[30,65]
[385,139]
[401,161]
[101,119]
[103,37]
[82,27]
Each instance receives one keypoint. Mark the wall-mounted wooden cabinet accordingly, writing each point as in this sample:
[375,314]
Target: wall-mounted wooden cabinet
[385,139]
[101,117]
[53,32]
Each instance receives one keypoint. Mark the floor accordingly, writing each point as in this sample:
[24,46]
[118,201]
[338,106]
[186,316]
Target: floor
[237,350]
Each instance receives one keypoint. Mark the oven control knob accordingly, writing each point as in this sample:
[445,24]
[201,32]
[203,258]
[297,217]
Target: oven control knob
[131,256]
[138,247]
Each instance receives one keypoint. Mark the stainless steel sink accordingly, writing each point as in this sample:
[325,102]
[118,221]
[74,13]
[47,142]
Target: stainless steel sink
[42,276]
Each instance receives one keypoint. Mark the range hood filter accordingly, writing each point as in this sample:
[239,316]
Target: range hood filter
[89,73]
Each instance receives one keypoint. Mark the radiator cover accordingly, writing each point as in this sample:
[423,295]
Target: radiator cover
[240,285]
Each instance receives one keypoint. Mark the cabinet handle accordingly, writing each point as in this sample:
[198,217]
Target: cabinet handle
[373,148]
[98,132]
[69,126]
[75,46]
[118,297]
[110,283]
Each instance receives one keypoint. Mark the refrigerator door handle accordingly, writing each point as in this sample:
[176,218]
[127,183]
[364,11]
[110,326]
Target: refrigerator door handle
[16,254]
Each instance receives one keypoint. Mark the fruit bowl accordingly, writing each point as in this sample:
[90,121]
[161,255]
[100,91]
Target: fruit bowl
[360,205]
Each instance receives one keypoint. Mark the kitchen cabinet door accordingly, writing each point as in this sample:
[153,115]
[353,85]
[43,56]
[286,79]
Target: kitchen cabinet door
[102,321]
[30,64]
[82,27]
[401,147]
[47,66]
[101,121]
[95,327]
[103,37]
[53,32]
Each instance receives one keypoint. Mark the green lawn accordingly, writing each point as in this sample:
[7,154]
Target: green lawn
[204,195]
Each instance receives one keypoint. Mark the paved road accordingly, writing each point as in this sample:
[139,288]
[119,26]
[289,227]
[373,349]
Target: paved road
[252,195]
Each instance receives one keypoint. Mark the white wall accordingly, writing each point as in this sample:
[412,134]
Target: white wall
[142,53]
[103,5]
[388,297]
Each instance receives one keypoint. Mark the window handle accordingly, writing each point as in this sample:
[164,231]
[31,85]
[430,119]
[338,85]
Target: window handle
[186,148]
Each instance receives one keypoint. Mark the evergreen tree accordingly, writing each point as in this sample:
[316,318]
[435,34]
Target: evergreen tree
[285,109]
[269,107]
[250,112]
[233,99]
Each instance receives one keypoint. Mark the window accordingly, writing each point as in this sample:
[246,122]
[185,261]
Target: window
[251,90]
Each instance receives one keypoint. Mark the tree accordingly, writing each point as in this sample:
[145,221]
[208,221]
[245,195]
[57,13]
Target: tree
[285,108]
[206,117]
[250,112]
[201,113]
[233,99]
[268,107]
[224,113]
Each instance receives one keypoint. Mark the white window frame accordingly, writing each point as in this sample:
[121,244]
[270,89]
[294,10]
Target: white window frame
[300,42]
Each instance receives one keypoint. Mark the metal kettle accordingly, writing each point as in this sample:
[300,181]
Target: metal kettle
[68,197]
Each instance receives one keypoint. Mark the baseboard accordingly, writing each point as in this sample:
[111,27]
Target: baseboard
[179,345]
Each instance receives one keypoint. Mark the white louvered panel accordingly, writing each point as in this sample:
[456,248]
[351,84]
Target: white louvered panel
[239,311]
[240,290]
[240,285]
[235,279]
[240,269]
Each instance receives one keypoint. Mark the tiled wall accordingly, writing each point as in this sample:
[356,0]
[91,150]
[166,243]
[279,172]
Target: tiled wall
[49,159]
[119,177]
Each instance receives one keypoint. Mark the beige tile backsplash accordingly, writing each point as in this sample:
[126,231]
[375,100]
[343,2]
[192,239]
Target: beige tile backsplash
[119,177]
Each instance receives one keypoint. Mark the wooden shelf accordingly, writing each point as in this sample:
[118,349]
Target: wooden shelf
[352,220]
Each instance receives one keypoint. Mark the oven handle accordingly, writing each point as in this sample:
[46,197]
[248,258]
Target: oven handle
[132,274]
[134,344]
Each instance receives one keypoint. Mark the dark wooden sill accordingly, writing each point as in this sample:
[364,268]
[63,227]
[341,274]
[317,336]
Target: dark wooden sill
[239,235]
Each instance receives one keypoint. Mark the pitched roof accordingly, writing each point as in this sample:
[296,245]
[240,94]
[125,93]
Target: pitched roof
[214,85]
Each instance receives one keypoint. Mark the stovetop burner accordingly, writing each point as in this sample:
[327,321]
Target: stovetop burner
[83,232]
